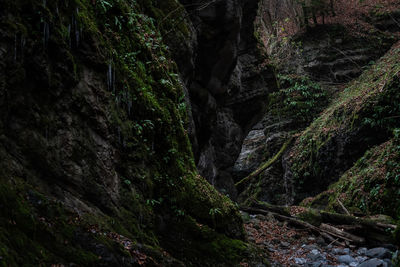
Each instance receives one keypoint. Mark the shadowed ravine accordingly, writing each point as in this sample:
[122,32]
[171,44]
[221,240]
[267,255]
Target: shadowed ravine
[318,65]
[199,133]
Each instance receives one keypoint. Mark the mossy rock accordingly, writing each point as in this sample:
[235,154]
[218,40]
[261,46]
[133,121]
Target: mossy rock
[360,118]
[200,243]
[311,216]
[371,186]
[132,106]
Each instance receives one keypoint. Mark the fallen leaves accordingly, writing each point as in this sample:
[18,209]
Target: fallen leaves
[295,210]
[283,242]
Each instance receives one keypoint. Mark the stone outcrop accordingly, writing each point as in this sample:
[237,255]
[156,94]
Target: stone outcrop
[228,85]
[96,166]
[329,55]
[337,55]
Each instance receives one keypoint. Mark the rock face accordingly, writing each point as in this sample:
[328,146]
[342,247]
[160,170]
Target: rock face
[253,147]
[96,167]
[349,137]
[227,86]
[260,145]
[328,54]
[338,55]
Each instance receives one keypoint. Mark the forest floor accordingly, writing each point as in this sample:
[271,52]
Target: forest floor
[352,14]
[292,246]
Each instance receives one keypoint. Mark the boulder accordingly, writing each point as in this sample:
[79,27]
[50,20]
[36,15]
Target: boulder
[373,263]
[380,253]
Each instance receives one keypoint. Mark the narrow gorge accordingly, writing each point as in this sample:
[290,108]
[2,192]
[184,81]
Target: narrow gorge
[200,133]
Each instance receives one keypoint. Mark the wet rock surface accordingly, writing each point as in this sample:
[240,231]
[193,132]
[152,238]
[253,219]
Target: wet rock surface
[334,54]
[289,246]
[225,83]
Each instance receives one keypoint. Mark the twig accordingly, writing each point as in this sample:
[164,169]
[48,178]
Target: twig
[395,21]
[334,241]
[392,117]
[205,5]
[265,165]
[346,56]
[342,234]
[342,206]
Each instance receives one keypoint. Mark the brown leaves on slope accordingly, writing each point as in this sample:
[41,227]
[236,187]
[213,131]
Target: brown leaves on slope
[352,13]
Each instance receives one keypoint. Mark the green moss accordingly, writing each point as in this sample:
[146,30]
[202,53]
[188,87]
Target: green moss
[311,216]
[37,229]
[366,108]
[170,17]
[265,165]
[371,186]
[200,199]
[205,245]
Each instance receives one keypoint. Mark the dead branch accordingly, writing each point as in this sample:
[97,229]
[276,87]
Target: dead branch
[350,229]
[343,207]
[342,234]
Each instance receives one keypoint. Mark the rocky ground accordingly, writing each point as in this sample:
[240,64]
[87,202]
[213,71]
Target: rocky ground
[289,246]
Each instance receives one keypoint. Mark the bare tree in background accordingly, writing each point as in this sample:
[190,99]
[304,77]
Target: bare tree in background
[312,9]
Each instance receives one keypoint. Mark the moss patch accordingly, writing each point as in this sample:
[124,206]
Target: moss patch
[364,115]
[371,186]
[208,246]
[36,231]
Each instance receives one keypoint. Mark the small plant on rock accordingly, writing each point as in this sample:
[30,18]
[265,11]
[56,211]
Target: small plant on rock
[300,98]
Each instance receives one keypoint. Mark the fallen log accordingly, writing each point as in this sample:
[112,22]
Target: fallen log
[343,207]
[331,218]
[344,235]
[242,183]
[387,226]
[349,228]
[373,231]
[337,218]
[269,207]
[282,218]
[332,240]
[295,221]
[352,229]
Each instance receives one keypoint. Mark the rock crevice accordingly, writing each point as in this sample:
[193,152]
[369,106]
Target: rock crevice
[227,86]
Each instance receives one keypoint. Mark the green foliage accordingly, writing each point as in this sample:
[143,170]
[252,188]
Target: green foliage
[385,114]
[103,5]
[396,133]
[214,211]
[301,99]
